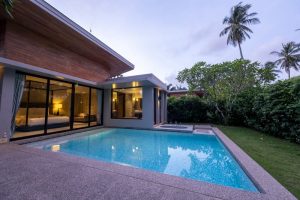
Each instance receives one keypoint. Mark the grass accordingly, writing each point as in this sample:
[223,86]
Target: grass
[279,157]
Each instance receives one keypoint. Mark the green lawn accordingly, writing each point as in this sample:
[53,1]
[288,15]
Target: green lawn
[279,157]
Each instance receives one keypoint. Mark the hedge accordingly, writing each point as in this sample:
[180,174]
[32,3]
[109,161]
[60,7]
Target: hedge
[273,109]
[187,109]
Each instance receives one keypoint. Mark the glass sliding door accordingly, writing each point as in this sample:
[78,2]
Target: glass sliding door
[59,109]
[49,106]
[81,106]
[30,118]
[96,102]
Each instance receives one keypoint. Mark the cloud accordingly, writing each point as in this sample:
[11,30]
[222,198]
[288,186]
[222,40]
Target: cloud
[263,51]
[195,37]
[213,46]
[263,55]
[171,78]
[204,41]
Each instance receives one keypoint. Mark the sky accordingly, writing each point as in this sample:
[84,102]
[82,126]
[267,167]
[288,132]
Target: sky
[165,36]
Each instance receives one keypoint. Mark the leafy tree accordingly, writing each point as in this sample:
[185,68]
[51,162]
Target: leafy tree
[289,57]
[223,82]
[170,87]
[237,25]
[8,6]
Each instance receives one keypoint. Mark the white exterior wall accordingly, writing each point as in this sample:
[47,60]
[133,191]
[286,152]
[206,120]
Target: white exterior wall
[148,112]
[7,82]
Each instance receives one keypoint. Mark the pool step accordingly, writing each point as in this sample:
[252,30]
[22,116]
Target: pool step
[203,131]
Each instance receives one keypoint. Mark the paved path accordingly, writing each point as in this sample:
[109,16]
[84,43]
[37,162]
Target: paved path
[27,175]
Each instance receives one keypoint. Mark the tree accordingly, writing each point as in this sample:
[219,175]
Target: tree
[237,25]
[289,57]
[223,82]
[269,72]
[170,87]
[8,6]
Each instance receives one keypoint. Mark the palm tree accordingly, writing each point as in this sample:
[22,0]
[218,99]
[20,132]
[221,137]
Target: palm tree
[237,25]
[270,71]
[8,6]
[289,57]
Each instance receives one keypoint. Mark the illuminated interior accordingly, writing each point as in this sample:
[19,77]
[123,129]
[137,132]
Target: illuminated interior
[127,103]
[59,112]
[38,116]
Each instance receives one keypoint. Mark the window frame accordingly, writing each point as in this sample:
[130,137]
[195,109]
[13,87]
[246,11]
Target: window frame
[111,103]
[73,84]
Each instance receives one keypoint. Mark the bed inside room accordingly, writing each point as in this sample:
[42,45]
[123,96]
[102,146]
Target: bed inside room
[47,106]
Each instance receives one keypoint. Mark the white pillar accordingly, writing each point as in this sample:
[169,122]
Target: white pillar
[7,82]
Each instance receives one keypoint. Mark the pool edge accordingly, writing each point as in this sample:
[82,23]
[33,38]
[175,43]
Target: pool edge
[266,183]
[270,188]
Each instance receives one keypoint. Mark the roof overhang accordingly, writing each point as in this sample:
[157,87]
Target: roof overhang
[42,18]
[144,80]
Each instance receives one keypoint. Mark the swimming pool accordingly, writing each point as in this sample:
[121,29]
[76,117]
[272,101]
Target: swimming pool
[198,157]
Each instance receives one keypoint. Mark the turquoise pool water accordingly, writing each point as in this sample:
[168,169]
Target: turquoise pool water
[198,157]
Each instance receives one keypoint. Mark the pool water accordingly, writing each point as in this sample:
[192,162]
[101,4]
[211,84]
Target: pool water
[198,157]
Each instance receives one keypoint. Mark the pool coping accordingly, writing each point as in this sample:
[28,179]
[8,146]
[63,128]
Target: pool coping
[260,177]
[268,186]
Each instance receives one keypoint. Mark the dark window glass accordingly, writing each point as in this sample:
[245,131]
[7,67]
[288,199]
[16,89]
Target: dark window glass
[81,106]
[96,100]
[30,118]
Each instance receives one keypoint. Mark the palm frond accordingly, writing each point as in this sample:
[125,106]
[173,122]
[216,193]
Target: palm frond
[289,57]
[237,30]
[276,53]
[8,6]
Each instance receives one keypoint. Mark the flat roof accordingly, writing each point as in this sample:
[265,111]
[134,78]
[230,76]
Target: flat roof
[67,21]
[134,81]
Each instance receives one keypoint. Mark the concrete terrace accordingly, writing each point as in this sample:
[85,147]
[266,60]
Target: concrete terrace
[30,173]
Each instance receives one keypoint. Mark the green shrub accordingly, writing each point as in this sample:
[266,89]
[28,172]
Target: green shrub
[186,109]
[273,109]
[276,110]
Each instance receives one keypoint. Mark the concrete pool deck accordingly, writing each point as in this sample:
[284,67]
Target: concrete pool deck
[30,173]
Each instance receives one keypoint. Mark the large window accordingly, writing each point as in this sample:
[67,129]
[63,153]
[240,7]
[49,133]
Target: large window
[81,106]
[127,103]
[30,119]
[96,97]
[59,111]
[50,106]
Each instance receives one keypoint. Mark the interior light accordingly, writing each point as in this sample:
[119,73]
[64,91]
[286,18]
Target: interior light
[135,84]
[55,148]
[57,106]
[114,86]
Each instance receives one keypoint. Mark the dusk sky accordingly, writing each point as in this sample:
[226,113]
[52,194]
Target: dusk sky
[165,36]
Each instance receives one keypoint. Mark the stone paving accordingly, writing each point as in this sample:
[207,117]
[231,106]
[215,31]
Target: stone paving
[30,173]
